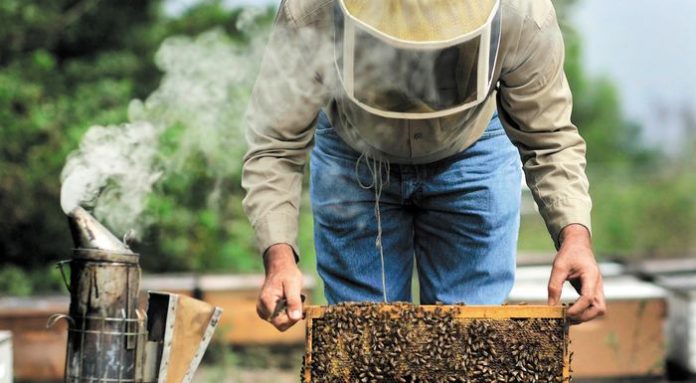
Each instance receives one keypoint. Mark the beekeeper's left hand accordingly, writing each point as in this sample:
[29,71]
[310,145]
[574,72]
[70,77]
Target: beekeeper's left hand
[575,262]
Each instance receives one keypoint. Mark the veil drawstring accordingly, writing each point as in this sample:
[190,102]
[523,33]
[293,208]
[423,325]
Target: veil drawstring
[378,181]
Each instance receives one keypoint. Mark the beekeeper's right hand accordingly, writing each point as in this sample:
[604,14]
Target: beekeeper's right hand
[283,280]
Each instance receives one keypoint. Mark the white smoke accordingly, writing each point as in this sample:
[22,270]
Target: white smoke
[204,92]
[109,158]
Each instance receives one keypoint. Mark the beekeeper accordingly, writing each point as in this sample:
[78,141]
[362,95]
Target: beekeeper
[416,114]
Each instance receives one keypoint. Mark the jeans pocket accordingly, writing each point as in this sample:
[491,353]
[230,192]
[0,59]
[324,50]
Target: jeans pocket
[323,124]
[494,129]
[328,144]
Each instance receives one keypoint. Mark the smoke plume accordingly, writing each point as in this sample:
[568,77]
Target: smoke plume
[203,92]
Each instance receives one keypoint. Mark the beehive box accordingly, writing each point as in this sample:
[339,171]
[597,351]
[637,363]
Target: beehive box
[5,357]
[38,352]
[681,326]
[627,342]
[365,342]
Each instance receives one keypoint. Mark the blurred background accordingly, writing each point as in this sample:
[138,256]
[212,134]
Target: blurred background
[69,65]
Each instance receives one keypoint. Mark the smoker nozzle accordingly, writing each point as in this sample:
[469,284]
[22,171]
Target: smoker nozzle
[88,233]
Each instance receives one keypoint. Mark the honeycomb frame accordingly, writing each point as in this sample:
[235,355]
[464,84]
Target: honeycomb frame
[461,314]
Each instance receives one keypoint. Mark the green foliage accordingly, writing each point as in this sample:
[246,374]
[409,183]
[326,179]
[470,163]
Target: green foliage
[43,116]
[645,211]
[14,281]
[66,65]
[613,140]
[644,202]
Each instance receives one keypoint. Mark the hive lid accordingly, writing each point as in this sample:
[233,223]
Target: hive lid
[542,272]
[658,267]
[682,283]
[615,289]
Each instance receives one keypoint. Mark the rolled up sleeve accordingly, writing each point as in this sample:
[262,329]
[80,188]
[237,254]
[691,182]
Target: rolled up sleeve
[535,105]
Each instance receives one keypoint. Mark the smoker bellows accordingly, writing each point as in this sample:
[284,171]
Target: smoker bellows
[110,339]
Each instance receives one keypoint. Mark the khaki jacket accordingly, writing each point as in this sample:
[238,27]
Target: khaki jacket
[298,78]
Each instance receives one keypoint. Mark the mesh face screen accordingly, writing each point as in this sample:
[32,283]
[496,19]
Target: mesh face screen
[404,343]
[422,20]
[414,81]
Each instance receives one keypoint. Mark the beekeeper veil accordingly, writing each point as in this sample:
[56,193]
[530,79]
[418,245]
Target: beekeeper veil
[417,59]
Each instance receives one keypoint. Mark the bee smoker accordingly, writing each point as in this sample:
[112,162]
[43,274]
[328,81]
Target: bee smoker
[107,330]
[108,337]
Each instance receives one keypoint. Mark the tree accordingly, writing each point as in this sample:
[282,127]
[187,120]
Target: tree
[67,65]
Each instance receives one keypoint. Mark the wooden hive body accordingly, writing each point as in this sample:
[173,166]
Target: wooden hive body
[443,343]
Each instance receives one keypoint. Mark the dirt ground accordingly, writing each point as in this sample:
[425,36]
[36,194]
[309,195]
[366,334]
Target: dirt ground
[215,375]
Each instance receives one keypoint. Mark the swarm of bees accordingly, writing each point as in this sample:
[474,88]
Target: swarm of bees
[403,343]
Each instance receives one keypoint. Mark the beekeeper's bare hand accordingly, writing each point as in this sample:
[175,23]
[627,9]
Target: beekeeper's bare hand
[575,262]
[283,280]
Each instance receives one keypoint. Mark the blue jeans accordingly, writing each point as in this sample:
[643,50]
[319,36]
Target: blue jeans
[457,219]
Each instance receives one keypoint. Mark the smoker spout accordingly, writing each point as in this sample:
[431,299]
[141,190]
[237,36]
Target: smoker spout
[88,233]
